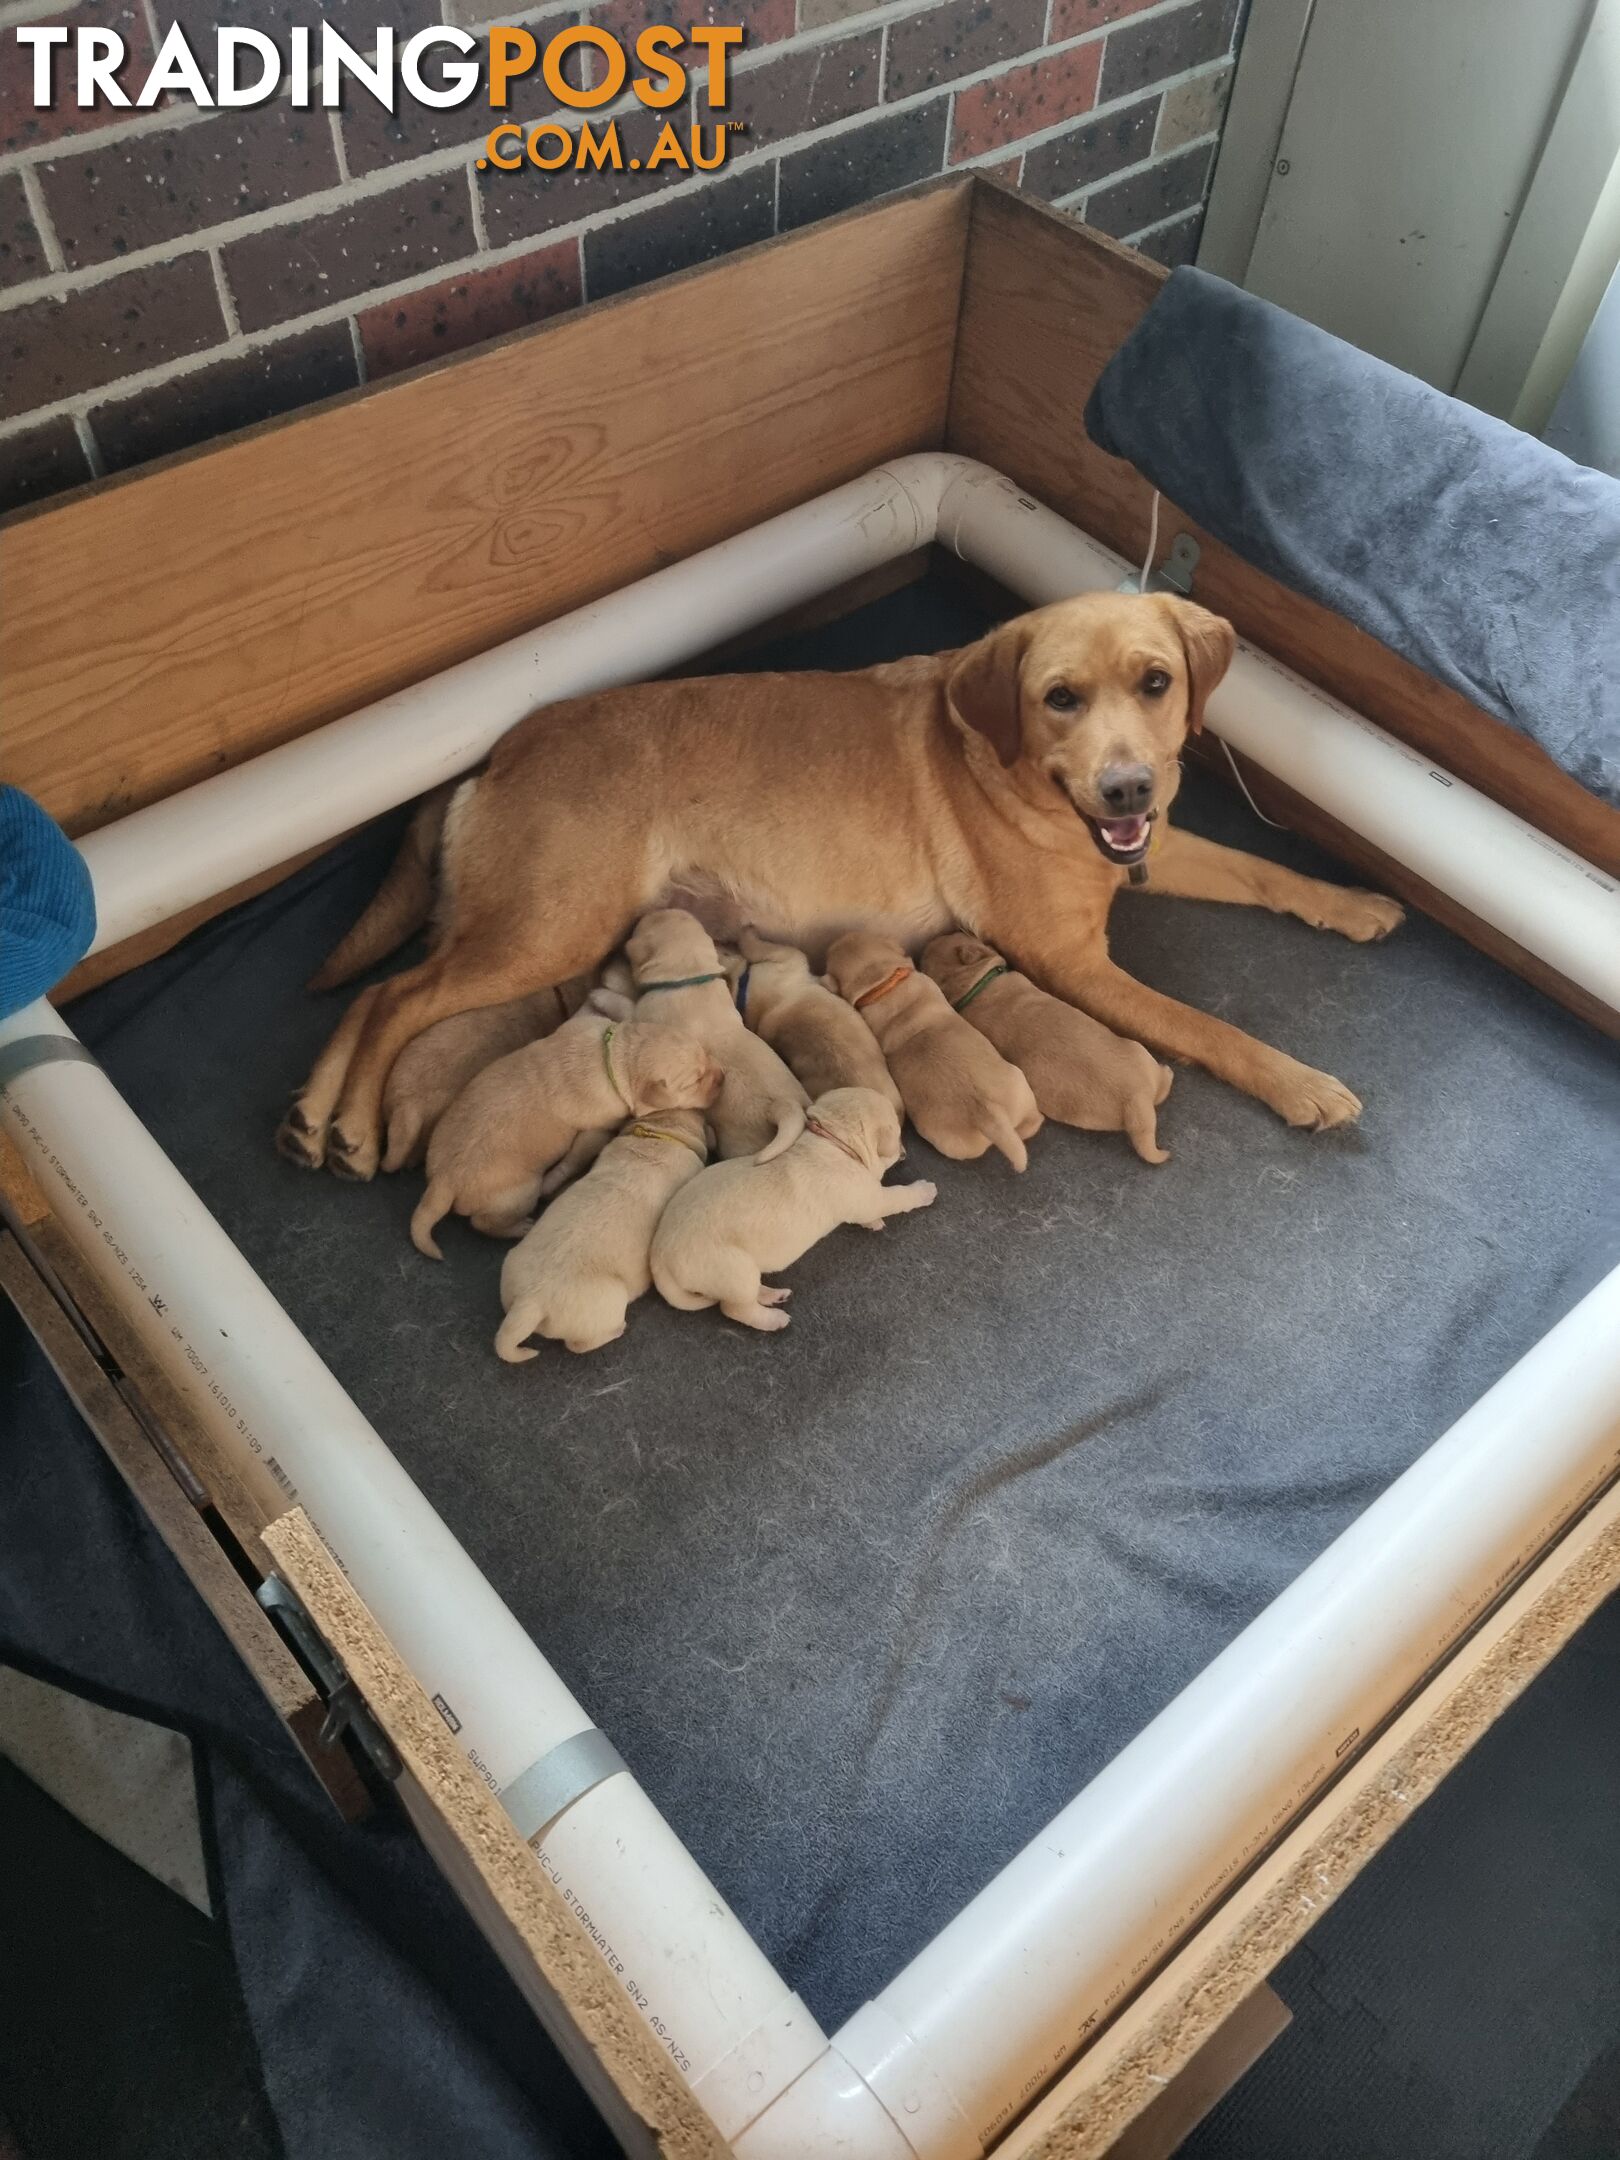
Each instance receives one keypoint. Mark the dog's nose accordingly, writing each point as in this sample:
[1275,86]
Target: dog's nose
[1126,789]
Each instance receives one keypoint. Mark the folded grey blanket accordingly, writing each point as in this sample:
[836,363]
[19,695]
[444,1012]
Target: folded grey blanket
[1469,548]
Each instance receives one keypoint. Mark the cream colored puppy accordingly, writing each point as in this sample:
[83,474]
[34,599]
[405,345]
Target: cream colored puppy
[520,1115]
[679,981]
[587,1259]
[431,1071]
[741,1221]
[958,1092]
[809,1026]
[1081,1072]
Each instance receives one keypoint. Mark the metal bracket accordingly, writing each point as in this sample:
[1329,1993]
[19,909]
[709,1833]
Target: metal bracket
[346,1709]
[1174,574]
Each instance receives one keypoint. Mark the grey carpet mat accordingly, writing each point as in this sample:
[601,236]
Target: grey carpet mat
[864,1603]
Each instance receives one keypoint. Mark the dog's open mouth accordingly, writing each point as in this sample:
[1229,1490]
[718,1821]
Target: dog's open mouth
[1122,839]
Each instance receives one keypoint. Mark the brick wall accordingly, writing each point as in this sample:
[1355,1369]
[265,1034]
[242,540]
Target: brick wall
[168,275]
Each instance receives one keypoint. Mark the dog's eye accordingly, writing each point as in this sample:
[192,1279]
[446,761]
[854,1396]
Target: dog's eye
[1061,698]
[1155,682]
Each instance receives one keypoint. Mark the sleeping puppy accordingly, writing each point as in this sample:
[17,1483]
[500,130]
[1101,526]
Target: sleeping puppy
[1082,1074]
[586,1261]
[506,1128]
[809,1026]
[961,1096]
[431,1071]
[680,982]
[740,1221]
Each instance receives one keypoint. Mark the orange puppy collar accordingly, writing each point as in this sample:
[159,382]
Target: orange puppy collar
[882,989]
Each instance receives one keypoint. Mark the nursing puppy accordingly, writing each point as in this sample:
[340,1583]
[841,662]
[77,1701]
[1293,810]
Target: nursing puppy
[588,1258]
[679,981]
[958,1092]
[1080,1072]
[741,1221]
[503,1132]
[825,1044]
[431,1071]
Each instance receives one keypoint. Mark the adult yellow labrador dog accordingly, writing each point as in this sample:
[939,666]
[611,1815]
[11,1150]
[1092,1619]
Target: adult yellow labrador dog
[1007,787]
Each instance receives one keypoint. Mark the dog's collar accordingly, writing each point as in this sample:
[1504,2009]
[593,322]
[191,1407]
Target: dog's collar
[882,989]
[961,1004]
[742,989]
[1138,872]
[815,1125]
[654,1132]
[687,982]
[608,1034]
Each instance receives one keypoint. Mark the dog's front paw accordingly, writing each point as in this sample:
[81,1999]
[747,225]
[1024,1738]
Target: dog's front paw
[1363,917]
[300,1139]
[1312,1101]
[351,1158]
[926,1193]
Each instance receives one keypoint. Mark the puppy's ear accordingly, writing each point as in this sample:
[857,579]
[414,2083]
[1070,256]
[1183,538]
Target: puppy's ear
[1209,642]
[982,691]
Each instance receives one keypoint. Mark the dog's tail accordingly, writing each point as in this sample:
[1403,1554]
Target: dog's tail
[1004,1135]
[511,1341]
[673,1293]
[407,1143]
[401,904]
[789,1118]
[433,1206]
[1141,1121]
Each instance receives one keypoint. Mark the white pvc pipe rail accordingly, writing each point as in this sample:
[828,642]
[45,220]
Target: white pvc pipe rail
[984,2017]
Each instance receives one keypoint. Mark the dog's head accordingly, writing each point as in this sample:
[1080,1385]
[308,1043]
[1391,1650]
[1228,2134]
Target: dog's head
[865,1121]
[1097,695]
[957,960]
[760,952]
[860,960]
[670,945]
[660,1068]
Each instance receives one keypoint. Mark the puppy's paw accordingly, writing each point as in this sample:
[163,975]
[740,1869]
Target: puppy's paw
[1362,917]
[926,1192]
[1312,1101]
[299,1138]
[878,1225]
[350,1158]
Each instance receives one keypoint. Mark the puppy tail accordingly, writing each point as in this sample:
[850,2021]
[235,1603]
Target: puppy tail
[672,1292]
[405,1144]
[1142,1130]
[401,904]
[789,1125]
[1004,1135]
[433,1206]
[510,1343]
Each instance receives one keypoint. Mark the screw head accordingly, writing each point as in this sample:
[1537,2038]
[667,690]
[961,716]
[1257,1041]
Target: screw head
[1283,167]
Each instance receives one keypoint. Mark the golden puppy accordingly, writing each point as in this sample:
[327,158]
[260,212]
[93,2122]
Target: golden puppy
[961,1096]
[520,1115]
[679,981]
[825,1044]
[431,1071]
[587,1259]
[741,1221]
[1081,1073]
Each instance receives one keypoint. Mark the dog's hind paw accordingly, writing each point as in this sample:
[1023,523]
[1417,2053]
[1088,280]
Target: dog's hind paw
[346,1158]
[299,1140]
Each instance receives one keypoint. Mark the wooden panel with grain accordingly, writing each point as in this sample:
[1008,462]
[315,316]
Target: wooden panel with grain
[1044,306]
[160,628]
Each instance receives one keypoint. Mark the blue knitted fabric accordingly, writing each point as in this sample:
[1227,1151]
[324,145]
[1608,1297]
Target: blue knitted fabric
[47,909]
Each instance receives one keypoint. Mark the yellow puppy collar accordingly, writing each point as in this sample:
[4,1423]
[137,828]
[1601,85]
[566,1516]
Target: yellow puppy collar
[652,1132]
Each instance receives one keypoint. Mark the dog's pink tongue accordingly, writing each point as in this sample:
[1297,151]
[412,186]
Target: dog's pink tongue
[1125,833]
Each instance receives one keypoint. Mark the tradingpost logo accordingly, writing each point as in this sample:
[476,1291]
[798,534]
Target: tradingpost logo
[443,67]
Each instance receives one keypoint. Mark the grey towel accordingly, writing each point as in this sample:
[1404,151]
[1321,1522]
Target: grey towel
[1486,558]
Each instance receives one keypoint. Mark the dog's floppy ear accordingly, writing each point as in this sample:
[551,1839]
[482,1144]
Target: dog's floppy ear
[982,691]
[1209,642]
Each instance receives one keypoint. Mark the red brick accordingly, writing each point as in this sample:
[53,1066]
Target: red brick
[373,137]
[234,393]
[52,349]
[1010,170]
[468,309]
[159,186]
[292,270]
[41,462]
[1025,100]
[762,22]
[1073,18]
[25,127]
[958,38]
[356,20]
[796,92]
[22,253]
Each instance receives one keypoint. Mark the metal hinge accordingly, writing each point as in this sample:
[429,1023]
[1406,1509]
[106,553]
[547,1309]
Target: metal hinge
[346,1709]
